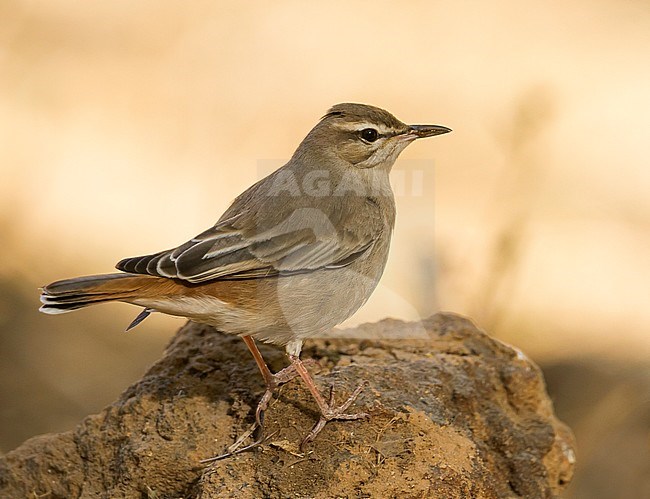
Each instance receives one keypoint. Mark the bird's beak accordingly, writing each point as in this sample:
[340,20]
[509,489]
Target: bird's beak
[422,131]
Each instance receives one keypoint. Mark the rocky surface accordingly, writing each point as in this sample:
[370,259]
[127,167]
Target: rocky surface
[454,413]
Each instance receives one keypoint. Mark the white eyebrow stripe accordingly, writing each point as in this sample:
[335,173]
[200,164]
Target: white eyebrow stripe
[357,126]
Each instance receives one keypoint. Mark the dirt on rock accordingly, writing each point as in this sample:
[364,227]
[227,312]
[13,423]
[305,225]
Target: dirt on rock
[454,414]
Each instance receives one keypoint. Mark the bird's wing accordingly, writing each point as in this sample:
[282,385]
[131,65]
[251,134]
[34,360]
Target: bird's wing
[234,249]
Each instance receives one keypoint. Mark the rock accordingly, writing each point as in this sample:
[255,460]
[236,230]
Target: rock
[454,413]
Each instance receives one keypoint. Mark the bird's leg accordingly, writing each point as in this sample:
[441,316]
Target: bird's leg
[272,382]
[328,411]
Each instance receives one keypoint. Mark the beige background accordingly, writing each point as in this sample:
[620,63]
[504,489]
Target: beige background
[127,127]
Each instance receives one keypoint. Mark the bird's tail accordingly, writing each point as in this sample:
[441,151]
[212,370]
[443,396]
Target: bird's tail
[72,294]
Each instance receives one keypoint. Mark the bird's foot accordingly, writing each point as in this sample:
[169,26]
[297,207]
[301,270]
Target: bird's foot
[329,412]
[237,448]
[256,430]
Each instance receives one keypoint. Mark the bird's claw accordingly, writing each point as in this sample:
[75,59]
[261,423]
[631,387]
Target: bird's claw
[332,413]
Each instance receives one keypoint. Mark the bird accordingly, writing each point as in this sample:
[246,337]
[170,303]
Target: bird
[294,255]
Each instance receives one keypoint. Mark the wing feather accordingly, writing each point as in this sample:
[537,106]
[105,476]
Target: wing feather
[231,250]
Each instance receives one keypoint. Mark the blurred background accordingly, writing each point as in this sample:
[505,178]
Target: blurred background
[126,128]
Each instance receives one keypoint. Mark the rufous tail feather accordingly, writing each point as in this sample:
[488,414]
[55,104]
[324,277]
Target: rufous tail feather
[72,294]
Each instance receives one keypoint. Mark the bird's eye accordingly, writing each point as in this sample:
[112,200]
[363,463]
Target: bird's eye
[369,134]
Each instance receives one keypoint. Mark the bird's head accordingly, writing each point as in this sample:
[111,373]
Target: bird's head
[363,136]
